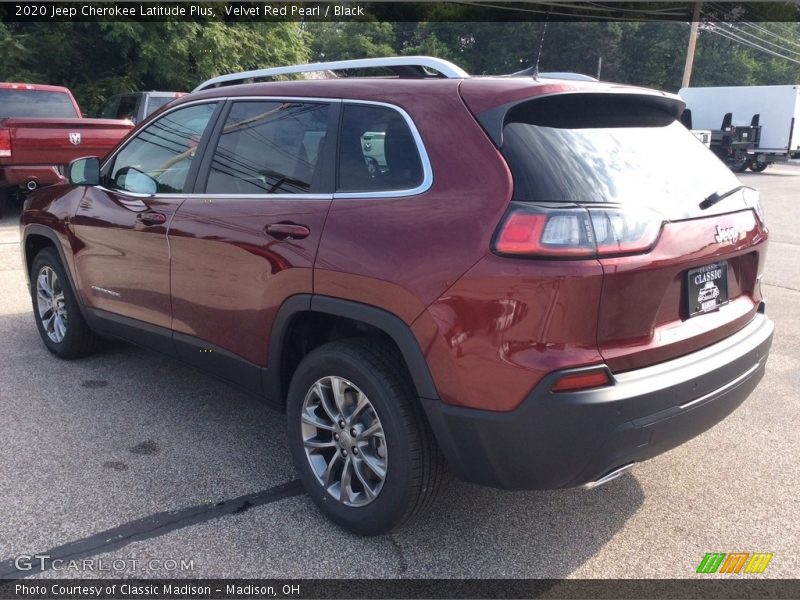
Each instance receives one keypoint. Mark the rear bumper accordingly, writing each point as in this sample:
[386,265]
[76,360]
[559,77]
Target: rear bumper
[20,175]
[557,440]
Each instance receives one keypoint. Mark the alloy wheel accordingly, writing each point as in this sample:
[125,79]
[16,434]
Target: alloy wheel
[344,441]
[51,304]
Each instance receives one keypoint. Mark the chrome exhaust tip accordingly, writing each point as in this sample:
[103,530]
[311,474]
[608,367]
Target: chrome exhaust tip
[31,185]
[608,477]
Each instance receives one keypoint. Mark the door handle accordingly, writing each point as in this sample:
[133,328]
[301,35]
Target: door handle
[287,231]
[151,218]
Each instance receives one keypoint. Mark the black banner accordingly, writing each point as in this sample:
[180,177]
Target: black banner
[200,589]
[344,10]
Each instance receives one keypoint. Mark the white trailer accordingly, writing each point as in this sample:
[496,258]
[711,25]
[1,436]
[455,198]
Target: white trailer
[777,105]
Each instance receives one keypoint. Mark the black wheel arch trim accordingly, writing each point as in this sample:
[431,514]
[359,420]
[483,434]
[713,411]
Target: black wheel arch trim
[387,322]
[52,235]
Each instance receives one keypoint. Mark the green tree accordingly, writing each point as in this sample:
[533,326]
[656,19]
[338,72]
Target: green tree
[12,49]
[350,40]
[96,60]
[653,54]
[723,61]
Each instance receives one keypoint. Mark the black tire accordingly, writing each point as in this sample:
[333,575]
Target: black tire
[758,167]
[740,166]
[78,340]
[414,467]
[3,200]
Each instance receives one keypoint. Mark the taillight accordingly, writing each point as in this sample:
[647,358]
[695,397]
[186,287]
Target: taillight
[751,197]
[5,143]
[576,232]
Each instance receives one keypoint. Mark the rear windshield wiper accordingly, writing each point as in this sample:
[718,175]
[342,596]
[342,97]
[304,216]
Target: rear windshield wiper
[715,197]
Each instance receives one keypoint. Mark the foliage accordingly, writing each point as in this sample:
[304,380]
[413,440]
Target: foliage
[100,59]
[96,60]
[352,39]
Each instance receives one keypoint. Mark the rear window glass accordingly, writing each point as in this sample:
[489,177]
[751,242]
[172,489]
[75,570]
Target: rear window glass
[620,153]
[120,107]
[377,151]
[36,103]
[156,102]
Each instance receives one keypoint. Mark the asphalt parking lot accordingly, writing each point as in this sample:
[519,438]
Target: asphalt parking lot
[129,456]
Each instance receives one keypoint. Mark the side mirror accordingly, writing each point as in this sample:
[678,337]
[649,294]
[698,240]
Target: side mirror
[84,171]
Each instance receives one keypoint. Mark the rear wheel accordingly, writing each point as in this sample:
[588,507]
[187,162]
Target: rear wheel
[739,166]
[358,437]
[758,167]
[55,308]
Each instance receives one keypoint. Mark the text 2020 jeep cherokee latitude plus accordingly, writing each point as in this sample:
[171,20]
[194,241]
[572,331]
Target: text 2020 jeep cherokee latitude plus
[514,283]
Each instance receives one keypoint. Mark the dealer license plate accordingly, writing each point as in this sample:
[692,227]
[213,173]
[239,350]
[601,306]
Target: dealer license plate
[707,288]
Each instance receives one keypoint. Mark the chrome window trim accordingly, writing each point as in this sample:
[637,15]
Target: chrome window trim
[427,171]
[424,186]
[260,196]
[221,196]
[310,99]
[136,194]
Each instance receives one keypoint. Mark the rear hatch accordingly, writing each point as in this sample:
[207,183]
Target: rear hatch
[616,177]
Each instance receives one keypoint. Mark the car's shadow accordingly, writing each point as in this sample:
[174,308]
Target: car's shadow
[146,427]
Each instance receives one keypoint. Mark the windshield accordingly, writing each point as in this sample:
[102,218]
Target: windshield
[36,103]
[657,164]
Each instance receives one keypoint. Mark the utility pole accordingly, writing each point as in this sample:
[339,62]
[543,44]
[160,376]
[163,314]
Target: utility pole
[687,69]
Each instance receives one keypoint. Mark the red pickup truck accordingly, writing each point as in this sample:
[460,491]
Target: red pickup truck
[41,131]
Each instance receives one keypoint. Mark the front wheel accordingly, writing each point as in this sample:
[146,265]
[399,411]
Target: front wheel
[358,437]
[757,166]
[55,308]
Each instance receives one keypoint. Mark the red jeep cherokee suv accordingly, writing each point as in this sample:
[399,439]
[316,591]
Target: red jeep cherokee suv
[538,282]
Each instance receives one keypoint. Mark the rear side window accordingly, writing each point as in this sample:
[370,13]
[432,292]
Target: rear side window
[269,148]
[585,149]
[377,151]
[36,103]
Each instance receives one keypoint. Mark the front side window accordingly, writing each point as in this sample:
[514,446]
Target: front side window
[157,160]
[377,151]
[269,148]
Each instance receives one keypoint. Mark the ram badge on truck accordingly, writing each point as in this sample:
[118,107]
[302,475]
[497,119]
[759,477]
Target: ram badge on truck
[41,131]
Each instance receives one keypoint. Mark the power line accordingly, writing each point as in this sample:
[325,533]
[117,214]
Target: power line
[550,11]
[732,31]
[724,11]
[773,34]
[743,41]
[732,27]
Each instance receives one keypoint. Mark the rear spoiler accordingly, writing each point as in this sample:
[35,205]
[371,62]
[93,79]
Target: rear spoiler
[494,119]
